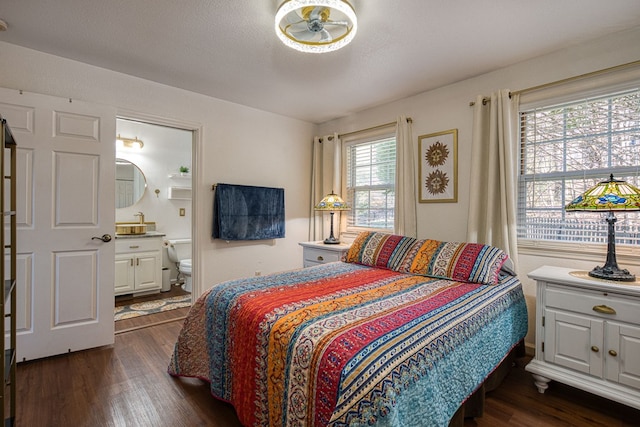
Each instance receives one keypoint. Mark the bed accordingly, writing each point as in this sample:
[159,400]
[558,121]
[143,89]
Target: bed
[401,332]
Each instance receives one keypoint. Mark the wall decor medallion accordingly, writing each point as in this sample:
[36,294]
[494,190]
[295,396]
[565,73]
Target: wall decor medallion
[439,167]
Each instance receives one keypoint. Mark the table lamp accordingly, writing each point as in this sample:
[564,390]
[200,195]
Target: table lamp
[609,196]
[332,203]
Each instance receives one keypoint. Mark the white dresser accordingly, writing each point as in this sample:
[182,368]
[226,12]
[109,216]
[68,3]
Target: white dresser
[138,264]
[315,253]
[587,334]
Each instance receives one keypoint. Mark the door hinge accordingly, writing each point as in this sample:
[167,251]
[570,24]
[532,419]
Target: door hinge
[543,321]
[543,346]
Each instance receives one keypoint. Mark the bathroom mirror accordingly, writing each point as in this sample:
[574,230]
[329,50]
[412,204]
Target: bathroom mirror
[130,184]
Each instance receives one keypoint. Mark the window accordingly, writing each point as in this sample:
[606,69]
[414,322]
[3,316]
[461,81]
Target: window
[370,182]
[568,148]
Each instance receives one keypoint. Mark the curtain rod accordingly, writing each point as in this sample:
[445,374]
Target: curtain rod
[330,137]
[567,80]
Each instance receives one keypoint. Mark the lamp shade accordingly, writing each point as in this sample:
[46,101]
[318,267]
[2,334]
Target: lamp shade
[609,195]
[316,26]
[332,202]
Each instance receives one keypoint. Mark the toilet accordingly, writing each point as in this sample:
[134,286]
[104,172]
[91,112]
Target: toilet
[179,251]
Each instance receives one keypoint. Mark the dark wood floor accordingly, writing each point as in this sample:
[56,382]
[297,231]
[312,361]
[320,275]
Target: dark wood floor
[127,385]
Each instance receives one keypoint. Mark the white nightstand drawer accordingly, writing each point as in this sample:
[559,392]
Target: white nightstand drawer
[321,256]
[315,253]
[600,304]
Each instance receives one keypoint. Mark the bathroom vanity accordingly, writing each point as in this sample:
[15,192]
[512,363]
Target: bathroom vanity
[138,263]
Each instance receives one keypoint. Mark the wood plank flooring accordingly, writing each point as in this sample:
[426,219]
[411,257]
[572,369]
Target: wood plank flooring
[127,385]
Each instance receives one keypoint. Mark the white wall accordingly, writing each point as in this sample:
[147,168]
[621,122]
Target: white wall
[448,108]
[238,145]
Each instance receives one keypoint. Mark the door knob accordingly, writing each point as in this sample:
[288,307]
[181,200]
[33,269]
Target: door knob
[105,238]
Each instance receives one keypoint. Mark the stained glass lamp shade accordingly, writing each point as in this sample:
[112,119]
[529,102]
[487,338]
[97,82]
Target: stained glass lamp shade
[332,203]
[610,195]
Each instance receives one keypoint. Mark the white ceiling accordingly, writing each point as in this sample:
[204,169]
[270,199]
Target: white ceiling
[227,49]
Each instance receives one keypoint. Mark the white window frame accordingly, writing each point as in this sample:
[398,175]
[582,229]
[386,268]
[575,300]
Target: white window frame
[373,135]
[596,84]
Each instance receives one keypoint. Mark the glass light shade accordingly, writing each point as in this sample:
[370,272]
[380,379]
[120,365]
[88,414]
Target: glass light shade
[333,27]
[332,202]
[609,195]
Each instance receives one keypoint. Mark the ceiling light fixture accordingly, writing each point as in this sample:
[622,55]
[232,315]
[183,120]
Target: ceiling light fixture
[130,142]
[316,26]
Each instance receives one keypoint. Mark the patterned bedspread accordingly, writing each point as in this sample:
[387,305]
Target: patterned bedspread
[344,344]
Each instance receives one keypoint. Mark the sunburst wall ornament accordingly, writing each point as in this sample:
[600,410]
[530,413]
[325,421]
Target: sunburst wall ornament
[437,154]
[316,26]
[437,182]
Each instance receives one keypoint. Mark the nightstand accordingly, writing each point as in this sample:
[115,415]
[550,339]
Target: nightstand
[315,253]
[587,334]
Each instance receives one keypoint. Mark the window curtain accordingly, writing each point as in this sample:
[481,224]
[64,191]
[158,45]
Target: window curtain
[405,198]
[325,177]
[494,173]
[315,221]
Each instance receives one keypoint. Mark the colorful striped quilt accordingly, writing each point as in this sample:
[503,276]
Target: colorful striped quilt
[343,344]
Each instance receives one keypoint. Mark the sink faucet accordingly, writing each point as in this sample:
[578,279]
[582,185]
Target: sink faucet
[141,215]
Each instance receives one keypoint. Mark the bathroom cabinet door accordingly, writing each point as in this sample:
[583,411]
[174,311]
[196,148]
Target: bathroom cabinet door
[125,274]
[147,266]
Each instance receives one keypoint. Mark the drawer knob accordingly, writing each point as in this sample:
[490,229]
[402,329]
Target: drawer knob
[134,247]
[320,258]
[603,309]
[613,353]
[595,348]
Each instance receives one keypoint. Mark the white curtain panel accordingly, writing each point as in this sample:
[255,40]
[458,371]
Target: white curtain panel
[494,173]
[325,178]
[405,202]
[315,220]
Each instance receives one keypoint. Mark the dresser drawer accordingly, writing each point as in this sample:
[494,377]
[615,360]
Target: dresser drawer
[320,256]
[144,244]
[602,304]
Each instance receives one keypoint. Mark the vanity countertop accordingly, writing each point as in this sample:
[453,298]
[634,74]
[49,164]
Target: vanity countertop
[138,236]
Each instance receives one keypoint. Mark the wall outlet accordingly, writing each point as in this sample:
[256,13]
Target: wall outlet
[258,273]
[182,212]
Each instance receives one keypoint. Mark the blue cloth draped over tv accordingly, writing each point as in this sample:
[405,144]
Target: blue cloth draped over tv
[243,212]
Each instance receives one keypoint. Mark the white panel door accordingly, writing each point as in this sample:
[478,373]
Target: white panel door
[66,158]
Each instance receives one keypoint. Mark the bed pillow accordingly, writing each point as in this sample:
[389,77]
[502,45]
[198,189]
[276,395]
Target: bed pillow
[465,262]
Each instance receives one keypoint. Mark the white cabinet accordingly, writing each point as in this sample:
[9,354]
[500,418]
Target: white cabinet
[587,334]
[138,265]
[315,253]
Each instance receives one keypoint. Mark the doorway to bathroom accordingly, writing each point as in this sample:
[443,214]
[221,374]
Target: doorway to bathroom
[154,199]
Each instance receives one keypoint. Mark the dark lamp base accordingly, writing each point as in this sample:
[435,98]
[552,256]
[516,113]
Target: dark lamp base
[331,241]
[612,273]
